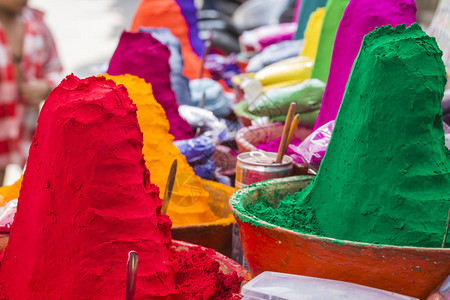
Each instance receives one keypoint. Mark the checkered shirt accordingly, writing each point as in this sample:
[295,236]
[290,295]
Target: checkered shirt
[39,61]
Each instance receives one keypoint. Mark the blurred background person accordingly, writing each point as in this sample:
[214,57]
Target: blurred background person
[29,69]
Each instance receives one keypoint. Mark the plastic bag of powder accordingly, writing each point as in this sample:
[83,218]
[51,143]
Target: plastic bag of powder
[196,149]
[313,148]
[204,121]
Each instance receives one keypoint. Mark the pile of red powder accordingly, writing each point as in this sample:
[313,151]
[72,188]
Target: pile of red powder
[87,200]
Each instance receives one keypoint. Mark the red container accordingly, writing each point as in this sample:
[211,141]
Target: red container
[410,271]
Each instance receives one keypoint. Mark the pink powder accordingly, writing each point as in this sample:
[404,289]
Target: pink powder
[360,17]
[142,55]
[273,146]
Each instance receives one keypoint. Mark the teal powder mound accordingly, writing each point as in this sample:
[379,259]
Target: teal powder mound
[385,178]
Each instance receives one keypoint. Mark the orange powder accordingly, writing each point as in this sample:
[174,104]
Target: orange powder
[10,192]
[189,200]
[163,13]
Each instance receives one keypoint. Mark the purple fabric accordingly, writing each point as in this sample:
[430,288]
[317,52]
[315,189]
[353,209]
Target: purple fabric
[360,17]
[141,55]
[189,12]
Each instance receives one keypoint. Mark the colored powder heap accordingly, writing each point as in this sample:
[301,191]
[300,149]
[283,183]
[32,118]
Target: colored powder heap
[87,199]
[333,15]
[189,200]
[189,11]
[142,55]
[75,223]
[180,18]
[312,33]
[385,176]
[306,9]
[191,265]
[360,17]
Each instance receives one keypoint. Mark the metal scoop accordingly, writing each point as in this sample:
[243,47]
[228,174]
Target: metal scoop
[132,265]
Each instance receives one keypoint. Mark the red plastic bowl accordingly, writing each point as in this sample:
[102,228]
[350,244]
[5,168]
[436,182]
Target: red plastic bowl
[410,271]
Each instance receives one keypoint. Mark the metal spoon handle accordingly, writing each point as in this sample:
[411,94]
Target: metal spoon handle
[132,265]
[169,186]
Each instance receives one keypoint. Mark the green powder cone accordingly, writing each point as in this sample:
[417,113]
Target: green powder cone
[385,177]
[333,15]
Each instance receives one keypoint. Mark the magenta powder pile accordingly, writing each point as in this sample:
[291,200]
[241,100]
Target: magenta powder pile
[360,18]
[142,55]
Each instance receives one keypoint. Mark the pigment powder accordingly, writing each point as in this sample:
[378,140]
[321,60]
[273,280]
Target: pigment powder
[142,55]
[333,15]
[189,200]
[307,8]
[274,145]
[189,266]
[194,200]
[385,176]
[87,200]
[10,192]
[179,17]
[312,33]
[360,17]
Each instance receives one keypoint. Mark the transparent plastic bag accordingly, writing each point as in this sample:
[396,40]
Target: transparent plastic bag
[204,121]
[7,214]
[313,148]
[447,135]
[442,292]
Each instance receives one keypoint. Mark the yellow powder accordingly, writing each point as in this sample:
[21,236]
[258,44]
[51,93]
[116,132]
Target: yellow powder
[189,200]
[312,33]
[11,192]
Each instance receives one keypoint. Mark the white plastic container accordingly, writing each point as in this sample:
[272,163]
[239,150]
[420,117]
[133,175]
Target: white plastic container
[281,286]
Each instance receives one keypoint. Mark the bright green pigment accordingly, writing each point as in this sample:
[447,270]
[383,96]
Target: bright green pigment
[333,15]
[385,178]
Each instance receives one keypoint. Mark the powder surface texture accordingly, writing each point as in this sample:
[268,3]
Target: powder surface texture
[333,15]
[169,14]
[360,17]
[189,200]
[385,176]
[142,55]
[198,275]
[312,33]
[85,202]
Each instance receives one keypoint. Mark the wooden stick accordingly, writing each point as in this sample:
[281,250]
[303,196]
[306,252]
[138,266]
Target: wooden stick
[207,49]
[446,229]
[285,134]
[292,131]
